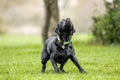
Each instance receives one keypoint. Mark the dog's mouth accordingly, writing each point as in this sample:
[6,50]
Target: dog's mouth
[66,34]
[66,38]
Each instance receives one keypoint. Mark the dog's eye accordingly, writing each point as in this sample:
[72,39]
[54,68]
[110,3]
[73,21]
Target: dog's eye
[67,28]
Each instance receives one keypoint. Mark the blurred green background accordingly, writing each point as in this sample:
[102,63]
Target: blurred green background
[22,23]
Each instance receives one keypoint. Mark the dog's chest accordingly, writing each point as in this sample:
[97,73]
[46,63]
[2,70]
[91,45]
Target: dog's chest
[62,56]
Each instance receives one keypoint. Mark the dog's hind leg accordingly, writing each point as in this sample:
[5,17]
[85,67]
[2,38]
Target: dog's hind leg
[43,66]
[44,58]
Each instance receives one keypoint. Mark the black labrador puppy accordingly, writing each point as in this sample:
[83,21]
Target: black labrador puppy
[59,48]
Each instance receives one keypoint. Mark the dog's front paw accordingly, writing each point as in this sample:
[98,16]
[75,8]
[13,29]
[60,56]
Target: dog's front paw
[43,69]
[63,70]
[84,72]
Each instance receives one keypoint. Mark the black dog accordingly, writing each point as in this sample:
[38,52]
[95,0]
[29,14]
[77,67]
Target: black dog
[59,48]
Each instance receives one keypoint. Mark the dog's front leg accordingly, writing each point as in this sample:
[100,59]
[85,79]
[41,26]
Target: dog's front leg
[56,69]
[61,67]
[75,61]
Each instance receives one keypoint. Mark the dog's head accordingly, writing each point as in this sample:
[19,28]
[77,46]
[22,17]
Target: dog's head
[65,29]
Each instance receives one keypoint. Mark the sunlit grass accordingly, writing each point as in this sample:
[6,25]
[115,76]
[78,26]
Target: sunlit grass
[20,60]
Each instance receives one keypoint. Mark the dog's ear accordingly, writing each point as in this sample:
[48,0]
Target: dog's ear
[57,30]
[73,30]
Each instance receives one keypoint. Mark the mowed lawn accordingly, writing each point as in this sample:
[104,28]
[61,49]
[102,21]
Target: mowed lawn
[20,60]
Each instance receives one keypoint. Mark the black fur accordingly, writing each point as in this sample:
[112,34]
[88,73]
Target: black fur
[57,50]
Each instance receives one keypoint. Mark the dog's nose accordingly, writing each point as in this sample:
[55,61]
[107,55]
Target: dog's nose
[68,19]
[68,22]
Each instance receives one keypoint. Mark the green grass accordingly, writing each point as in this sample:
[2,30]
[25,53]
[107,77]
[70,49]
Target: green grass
[20,60]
